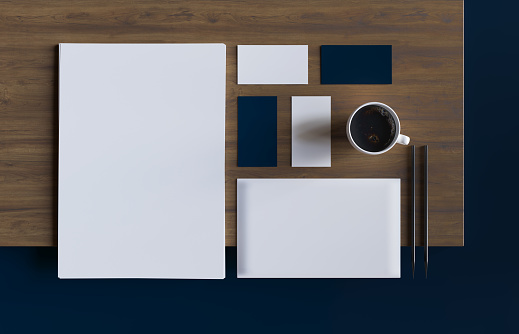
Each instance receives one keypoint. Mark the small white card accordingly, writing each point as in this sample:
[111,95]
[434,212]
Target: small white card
[318,228]
[311,131]
[272,64]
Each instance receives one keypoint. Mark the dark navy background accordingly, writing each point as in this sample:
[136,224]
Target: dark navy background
[473,289]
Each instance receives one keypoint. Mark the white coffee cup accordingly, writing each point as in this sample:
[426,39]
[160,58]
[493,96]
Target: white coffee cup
[397,138]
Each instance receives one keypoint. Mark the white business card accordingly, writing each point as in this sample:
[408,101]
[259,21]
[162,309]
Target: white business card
[272,64]
[311,131]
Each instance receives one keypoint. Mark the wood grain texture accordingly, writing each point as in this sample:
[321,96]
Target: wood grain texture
[427,93]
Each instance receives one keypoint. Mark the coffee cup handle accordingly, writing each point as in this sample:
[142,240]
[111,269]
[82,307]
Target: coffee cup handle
[403,140]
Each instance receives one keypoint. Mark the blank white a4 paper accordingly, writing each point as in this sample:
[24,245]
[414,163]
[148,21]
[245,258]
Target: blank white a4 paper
[141,161]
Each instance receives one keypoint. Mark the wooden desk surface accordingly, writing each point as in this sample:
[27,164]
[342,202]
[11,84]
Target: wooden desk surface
[427,93]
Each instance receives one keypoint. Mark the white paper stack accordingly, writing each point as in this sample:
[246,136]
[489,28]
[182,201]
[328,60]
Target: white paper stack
[141,161]
[318,228]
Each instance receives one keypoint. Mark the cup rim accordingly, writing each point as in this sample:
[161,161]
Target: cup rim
[397,132]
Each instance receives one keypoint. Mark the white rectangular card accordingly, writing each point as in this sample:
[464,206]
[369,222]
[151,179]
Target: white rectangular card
[318,228]
[141,161]
[311,131]
[272,64]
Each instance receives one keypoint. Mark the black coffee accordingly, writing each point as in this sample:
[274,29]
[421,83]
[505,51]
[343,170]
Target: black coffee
[373,128]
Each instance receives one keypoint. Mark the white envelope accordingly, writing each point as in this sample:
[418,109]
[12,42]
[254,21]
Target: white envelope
[318,228]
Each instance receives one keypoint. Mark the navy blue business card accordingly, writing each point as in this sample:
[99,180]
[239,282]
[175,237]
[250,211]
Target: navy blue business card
[257,131]
[356,64]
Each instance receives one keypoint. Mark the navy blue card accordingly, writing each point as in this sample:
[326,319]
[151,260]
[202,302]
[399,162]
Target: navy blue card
[356,64]
[257,131]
